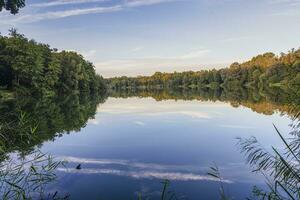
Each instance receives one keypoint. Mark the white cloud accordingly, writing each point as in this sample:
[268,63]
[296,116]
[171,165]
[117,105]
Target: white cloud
[39,16]
[61,14]
[194,114]
[64,2]
[173,176]
[89,54]
[137,3]
[196,110]
[93,121]
[286,8]
[136,170]
[139,123]
[128,163]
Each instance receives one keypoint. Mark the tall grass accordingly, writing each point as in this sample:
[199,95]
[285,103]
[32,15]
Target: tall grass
[281,168]
[21,176]
[166,193]
[28,178]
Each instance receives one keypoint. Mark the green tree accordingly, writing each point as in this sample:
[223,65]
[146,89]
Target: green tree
[12,5]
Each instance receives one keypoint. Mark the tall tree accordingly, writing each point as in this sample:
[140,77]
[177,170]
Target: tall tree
[12,5]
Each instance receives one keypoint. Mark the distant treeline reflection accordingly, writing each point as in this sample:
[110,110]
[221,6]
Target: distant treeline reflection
[266,102]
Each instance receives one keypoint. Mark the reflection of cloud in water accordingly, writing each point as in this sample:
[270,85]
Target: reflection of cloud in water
[193,114]
[173,176]
[136,170]
[150,107]
[140,123]
[127,163]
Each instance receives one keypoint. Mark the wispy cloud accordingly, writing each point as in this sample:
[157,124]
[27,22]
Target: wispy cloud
[39,16]
[89,54]
[159,110]
[93,121]
[140,123]
[137,3]
[29,18]
[192,114]
[173,176]
[137,170]
[128,163]
[65,2]
[286,8]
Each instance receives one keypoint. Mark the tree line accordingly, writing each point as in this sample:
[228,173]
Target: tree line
[31,68]
[263,71]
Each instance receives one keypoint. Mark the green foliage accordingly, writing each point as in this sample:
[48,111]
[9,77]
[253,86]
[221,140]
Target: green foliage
[24,177]
[215,173]
[28,178]
[28,122]
[280,167]
[12,5]
[262,71]
[31,68]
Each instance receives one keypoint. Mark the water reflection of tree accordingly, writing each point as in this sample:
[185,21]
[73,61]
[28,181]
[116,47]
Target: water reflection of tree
[52,117]
[266,101]
[25,123]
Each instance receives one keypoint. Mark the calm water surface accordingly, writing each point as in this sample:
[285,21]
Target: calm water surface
[132,144]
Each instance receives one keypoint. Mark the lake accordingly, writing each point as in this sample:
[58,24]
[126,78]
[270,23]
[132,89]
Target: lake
[128,145]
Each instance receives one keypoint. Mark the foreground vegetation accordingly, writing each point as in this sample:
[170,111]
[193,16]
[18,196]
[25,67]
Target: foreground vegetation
[24,173]
[279,167]
[31,68]
[261,72]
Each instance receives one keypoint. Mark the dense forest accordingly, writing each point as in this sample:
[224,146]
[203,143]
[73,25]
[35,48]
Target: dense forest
[31,68]
[263,71]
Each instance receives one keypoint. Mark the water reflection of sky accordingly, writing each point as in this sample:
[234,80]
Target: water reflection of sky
[134,143]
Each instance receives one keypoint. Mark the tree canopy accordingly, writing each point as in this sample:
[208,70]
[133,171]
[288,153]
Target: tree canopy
[12,5]
[260,73]
[31,68]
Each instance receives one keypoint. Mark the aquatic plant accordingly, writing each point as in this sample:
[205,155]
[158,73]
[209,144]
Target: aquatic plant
[27,178]
[281,168]
[24,176]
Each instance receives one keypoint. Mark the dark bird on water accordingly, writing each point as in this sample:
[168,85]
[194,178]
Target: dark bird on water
[78,166]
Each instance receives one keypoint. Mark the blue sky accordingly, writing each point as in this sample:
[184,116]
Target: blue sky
[139,37]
